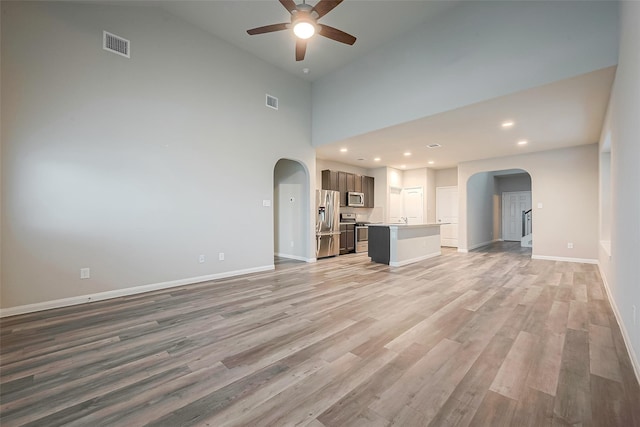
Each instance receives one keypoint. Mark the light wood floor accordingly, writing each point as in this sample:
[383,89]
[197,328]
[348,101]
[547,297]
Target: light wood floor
[487,338]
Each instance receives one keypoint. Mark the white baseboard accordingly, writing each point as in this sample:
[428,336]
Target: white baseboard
[412,260]
[82,299]
[296,257]
[625,335]
[565,259]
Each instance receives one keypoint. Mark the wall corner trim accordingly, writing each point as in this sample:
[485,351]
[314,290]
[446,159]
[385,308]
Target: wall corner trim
[625,335]
[83,299]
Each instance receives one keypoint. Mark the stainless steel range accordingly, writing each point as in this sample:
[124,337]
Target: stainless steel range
[362,231]
[362,237]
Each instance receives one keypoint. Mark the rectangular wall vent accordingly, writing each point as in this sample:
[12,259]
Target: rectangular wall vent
[116,44]
[272,102]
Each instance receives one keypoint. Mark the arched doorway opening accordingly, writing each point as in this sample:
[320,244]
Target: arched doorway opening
[499,209]
[291,211]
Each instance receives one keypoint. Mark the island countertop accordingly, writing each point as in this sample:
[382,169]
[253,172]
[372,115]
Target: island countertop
[405,225]
[401,244]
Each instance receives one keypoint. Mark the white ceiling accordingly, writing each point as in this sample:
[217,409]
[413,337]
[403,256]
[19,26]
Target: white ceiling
[562,114]
[373,23]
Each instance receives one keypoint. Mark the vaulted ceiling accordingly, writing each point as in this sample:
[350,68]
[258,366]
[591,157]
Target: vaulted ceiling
[565,113]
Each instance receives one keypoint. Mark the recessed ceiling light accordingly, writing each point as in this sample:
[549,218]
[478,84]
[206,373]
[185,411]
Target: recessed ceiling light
[407,154]
[431,162]
[507,124]
[343,150]
[434,146]
[377,159]
[522,142]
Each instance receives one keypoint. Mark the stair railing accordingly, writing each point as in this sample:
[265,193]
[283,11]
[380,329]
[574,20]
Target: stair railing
[527,227]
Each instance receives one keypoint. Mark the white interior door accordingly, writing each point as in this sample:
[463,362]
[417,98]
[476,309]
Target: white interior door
[395,205]
[447,214]
[513,204]
[413,205]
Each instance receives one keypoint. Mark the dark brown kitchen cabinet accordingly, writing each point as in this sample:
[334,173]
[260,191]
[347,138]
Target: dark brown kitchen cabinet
[329,180]
[358,185]
[345,182]
[351,182]
[368,188]
[347,238]
[342,187]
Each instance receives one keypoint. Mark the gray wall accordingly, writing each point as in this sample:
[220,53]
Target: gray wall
[462,58]
[290,210]
[447,177]
[621,271]
[565,181]
[480,210]
[517,182]
[135,167]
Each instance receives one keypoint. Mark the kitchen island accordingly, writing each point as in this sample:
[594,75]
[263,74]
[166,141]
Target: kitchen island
[401,244]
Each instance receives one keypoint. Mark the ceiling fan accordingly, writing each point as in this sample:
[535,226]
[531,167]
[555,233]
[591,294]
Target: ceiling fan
[304,22]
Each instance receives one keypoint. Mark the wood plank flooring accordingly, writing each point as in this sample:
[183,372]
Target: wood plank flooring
[488,338]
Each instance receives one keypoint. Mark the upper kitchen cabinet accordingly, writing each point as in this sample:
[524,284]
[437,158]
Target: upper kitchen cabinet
[351,182]
[345,182]
[368,188]
[342,188]
[330,180]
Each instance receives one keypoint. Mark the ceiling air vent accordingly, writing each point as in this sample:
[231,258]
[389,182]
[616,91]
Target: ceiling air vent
[116,44]
[272,102]
[434,146]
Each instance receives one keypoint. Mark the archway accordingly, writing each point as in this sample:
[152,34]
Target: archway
[498,209]
[291,210]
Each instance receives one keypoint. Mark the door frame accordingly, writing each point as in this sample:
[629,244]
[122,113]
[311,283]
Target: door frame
[448,232]
[504,212]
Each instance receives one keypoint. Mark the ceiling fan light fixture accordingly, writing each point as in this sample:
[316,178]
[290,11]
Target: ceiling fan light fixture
[304,29]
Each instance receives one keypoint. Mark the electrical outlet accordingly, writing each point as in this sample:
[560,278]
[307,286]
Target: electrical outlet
[569,245]
[221,256]
[85,273]
[201,259]
[292,243]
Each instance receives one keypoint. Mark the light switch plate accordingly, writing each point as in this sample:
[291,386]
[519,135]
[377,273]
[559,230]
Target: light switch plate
[266,203]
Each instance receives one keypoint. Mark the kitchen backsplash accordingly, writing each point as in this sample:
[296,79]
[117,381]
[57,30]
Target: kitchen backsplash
[363,214]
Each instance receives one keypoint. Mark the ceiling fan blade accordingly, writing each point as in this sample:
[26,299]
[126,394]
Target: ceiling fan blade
[325,6]
[301,49]
[337,35]
[268,29]
[290,5]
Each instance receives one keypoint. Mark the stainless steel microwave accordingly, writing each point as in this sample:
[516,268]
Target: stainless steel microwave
[355,199]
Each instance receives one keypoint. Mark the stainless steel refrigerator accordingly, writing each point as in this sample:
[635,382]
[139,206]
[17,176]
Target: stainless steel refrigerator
[327,223]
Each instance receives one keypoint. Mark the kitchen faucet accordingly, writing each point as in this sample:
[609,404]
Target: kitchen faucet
[404,219]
